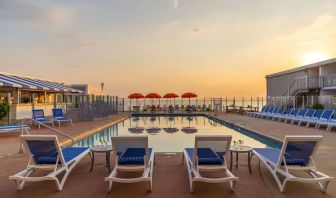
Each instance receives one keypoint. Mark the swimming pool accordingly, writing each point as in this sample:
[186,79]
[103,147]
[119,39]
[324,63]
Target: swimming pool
[173,133]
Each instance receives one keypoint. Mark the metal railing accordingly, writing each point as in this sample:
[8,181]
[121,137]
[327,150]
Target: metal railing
[52,129]
[37,122]
[329,81]
[302,101]
[211,104]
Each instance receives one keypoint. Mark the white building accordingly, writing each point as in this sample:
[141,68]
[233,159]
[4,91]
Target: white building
[25,93]
[318,79]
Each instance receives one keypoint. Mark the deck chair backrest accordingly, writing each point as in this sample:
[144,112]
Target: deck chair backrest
[327,114]
[299,148]
[310,113]
[294,112]
[57,113]
[44,149]
[121,143]
[302,113]
[38,114]
[270,109]
[288,111]
[275,110]
[281,110]
[318,114]
[263,109]
[218,143]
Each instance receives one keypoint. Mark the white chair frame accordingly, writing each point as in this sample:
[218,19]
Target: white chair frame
[316,177]
[194,168]
[147,168]
[24,176]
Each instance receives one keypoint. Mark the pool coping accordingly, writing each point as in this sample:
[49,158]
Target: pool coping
[82,135]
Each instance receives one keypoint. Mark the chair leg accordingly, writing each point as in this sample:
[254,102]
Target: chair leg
[110,186]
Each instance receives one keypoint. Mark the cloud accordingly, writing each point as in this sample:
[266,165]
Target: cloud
[35,14]
[175,3]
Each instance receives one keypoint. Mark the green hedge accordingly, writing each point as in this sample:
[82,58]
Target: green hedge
[4,110]
[317,106]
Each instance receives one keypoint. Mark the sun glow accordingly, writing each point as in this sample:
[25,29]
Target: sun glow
[314,57]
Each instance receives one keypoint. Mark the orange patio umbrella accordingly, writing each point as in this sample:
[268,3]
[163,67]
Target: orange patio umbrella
[135,96]
[189,95]
[153,96]
[171,95]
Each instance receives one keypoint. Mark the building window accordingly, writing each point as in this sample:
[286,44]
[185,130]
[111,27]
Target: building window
[26,97]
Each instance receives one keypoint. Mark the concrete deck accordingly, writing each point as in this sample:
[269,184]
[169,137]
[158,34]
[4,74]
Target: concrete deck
[170,176]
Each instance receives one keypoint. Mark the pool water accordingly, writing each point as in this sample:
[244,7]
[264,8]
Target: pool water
[174,133]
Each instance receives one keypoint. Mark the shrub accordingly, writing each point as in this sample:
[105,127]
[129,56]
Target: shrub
[317,106]
[4,110]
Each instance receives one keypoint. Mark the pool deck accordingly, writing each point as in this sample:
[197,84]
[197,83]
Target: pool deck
[170,176]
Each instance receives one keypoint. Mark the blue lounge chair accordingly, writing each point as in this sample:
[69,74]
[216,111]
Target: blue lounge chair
[325,119]
[267,109]
[285,114]
[8,128]
[59,117]
[38,117]
[302,113]
[291,115]
[315,118]
[297,154]
[331,123]
[276,111]
[309,115]
[270,111]
[254,114]
[132,154]
[209,154]
[46,154]
[281,112]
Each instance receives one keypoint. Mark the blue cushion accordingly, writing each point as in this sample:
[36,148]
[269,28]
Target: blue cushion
[272,155]
[69,153]
[133,156]
[12,126]
[206,156]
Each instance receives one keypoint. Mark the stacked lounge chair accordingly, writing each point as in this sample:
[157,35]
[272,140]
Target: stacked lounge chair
[306,116]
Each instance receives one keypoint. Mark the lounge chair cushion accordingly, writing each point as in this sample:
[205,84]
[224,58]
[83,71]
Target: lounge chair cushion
[272,155]
[206,156]
[12,127]
[133,156]
[41,119]
[69,153]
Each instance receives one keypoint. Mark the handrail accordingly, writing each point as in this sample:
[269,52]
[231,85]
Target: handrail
[53,129]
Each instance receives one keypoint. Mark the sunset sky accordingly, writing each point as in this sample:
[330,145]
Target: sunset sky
[214,48]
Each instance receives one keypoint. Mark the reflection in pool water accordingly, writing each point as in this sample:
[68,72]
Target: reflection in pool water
[173,133]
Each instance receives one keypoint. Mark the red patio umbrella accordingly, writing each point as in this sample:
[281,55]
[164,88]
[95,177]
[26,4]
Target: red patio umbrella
[135,96]
[189,95]
[153,96]
[171,95]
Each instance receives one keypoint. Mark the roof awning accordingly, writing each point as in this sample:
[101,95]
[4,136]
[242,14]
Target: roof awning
[10,80]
